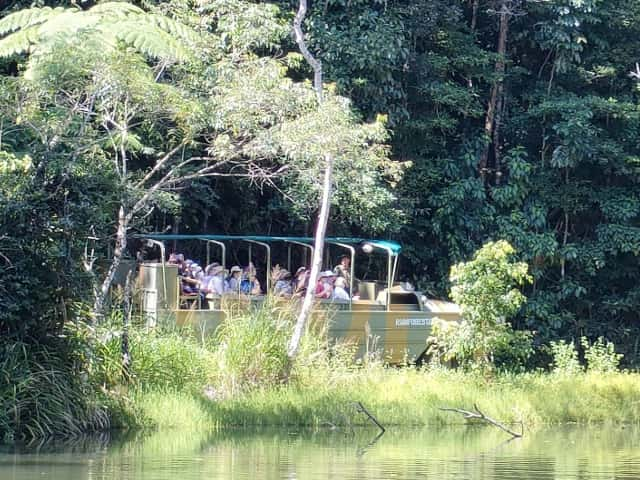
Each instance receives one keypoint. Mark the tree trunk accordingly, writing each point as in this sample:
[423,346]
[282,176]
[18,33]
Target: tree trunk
[316,265]
[121,244]
[316,65]
[497,149]
[325,204]
[497,89]
[474,14]
[126,320]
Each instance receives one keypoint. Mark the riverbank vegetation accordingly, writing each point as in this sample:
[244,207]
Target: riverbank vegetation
[221,388]
[453,125]
[241,378]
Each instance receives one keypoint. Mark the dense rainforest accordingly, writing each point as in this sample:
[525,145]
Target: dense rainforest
[457,122]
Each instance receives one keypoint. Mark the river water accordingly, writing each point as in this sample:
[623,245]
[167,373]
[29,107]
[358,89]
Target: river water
[453,453]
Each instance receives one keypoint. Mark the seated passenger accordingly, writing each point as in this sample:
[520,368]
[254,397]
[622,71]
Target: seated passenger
[250,285]
[216,283]
[188,280]
[343,269]
[208,275]
[324,287]
[283,287]
[340,290]
[177,259]
[234,280]
[300,282]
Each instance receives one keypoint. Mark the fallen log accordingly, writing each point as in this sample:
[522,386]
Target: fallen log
[476,414]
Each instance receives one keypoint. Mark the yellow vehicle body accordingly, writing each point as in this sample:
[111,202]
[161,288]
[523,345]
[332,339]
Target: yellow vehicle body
[399,330]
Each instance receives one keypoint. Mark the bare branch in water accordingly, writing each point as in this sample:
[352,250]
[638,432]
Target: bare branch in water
[476,414]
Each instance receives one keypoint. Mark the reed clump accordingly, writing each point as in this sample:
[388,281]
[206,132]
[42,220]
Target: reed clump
[44,392]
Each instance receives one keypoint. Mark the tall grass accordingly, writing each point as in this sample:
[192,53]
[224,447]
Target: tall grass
[409,397]
[251,347]
[43,393]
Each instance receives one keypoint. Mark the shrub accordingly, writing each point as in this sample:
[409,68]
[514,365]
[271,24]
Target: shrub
[601,356]
[565,358]
[486,288]
[161,358]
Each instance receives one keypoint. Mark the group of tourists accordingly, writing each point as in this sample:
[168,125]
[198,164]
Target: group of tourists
[214,280]
[331,285]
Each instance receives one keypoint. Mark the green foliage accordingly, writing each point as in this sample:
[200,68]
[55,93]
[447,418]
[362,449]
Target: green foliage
[160,359]
[565,358]
[243,27]
[601,356]
[252,349]
[44,392]
[486,290]
[409,397]
[40,30]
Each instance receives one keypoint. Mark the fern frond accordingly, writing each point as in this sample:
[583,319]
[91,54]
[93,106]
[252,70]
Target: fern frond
[176,29]
[27,18]
[19,42]
[149,40]
[112,10]
[68,23]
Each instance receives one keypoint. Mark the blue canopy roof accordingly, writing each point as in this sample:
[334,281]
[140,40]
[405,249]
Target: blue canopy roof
[393,247]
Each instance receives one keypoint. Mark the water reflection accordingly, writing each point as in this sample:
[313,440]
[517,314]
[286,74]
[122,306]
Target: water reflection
[454,453]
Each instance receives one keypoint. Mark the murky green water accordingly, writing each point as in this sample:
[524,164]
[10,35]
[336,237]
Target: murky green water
[454,453]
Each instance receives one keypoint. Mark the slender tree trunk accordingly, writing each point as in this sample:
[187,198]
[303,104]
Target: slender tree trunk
[497,147]
[474,14]
[497,89]
[325,204]
[121,245]
[126,319]
[475,4]
[316,65]
[316,264]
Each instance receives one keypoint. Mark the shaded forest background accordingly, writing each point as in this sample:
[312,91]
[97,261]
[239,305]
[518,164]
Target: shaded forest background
[517,120]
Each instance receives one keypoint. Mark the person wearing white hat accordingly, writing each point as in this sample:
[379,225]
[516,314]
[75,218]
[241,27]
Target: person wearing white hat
[340,290]
[234,280]
[216,282]
[324,287]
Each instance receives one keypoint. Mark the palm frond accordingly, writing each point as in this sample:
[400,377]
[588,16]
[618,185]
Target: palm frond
[27,18]
[68,23]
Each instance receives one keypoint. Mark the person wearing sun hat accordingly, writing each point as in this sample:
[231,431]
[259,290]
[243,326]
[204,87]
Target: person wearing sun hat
[283,287]
[340,290]
[300,282]
[234,280]
[324,287]
[216,282]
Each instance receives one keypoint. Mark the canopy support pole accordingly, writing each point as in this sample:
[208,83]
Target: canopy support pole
[224,251]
